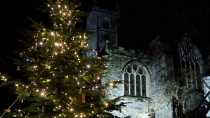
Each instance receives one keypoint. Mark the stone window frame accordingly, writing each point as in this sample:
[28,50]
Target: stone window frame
[190,64]
[195,74]
[136,73]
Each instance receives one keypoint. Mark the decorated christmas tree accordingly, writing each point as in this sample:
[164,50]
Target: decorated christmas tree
[58,80]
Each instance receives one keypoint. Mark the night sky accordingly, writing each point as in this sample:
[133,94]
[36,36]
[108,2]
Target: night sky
[144,20]
[15,17]
[15,21]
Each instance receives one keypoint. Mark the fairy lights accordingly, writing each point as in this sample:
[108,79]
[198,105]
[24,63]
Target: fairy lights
[47,66]
[52,33]
[16,85]
[57,70]
[88,66]
[3,78]
[43,93]
[71,109]
[40,43]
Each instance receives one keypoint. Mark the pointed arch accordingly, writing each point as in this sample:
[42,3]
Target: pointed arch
[136,79]
[189,57]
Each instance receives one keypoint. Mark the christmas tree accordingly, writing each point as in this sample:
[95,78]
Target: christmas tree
[58,80]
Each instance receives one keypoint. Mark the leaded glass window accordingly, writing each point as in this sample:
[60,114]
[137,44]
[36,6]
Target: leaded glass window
[135,78]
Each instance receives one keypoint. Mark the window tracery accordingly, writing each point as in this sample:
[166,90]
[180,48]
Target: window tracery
[135,78]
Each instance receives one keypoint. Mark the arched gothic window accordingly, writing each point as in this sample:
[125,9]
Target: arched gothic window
[136,80]
[189,61]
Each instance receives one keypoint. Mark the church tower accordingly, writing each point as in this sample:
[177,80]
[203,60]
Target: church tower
[102,29]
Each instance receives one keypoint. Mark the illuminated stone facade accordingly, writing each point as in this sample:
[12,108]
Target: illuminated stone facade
[143,87]
[152,85]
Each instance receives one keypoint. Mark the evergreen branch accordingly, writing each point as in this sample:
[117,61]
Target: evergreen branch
[13,103]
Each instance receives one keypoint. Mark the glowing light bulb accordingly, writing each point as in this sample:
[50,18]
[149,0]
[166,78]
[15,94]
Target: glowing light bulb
[55,53]
[40,43]
[71,109]
[65,7]
[48,80]
[78,83]
[64,14]
[19,110]
[3,78]
[43,33]
[48,66]
[98,78]
[85,37]
[37,90]
[88,66]
[59,106]
[35,66]
[56,44]
[111,84]
[106,104]
[43,93]
[66,76]
[52,34]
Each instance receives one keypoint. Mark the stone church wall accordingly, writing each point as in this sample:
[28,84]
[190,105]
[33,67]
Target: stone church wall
[159,100]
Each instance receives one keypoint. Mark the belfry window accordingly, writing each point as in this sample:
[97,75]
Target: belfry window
[135,78]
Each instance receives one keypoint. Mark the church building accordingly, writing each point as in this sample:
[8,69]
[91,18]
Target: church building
[153,83]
